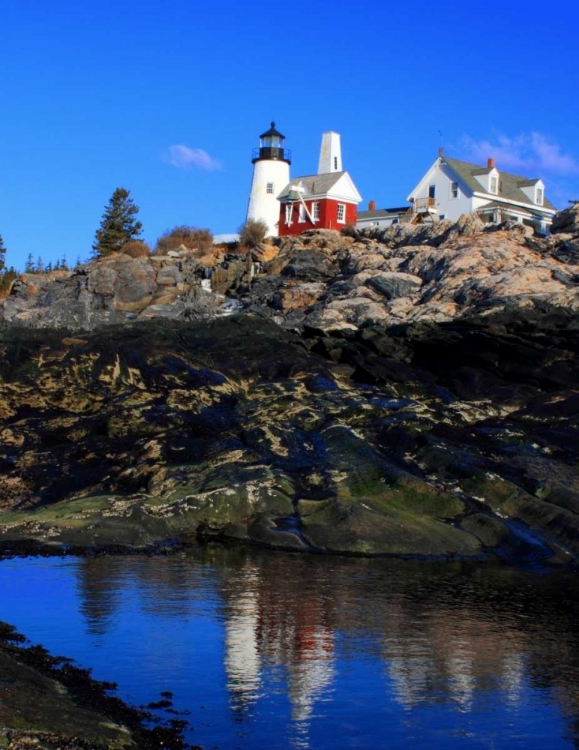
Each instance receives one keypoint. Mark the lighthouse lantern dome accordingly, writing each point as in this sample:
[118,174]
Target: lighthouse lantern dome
[271,146]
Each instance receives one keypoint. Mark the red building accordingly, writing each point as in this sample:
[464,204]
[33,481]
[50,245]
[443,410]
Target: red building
[327,200]
[321,201]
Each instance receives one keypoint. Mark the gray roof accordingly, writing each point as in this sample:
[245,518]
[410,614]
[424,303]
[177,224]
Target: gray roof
[508,206]
[382,213]
[509,184]
[316,184]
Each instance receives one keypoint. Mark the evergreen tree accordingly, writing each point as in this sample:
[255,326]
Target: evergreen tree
[39,265]
[118,225]
[29,267]
[2,253]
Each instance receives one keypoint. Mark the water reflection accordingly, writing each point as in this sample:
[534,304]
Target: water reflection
[319,652]
[100,592]
[275,625]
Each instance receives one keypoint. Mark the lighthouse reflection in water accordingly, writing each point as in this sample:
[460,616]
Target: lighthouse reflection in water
[293,651]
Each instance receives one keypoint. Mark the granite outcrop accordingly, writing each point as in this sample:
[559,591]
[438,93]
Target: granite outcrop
[322,279]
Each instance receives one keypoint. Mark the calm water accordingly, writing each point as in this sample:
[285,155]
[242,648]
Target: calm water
[280,651]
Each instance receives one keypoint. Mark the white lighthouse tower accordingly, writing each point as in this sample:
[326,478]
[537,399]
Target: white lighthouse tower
[271,163]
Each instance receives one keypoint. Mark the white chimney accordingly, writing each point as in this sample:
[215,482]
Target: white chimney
[330,153]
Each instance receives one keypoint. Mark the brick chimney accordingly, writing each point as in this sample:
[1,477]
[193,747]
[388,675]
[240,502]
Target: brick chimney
[372,206]
[490,162]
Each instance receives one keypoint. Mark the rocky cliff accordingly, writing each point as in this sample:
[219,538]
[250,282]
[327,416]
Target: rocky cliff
[410,392]
[321,279]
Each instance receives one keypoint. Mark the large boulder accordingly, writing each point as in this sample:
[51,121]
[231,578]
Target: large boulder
[566,221]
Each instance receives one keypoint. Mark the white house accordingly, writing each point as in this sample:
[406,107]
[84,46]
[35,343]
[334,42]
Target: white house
[451,188]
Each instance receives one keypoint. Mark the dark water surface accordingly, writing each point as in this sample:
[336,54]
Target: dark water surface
[273,650]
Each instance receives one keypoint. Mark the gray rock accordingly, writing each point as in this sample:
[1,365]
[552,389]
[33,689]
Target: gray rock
[393,285]
[566,220]
[568,252]
[169,276]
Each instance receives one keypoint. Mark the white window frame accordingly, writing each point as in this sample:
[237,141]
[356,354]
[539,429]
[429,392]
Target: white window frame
[342,213]
[539,196]
[316,210]
[269,188]
[301,213]
[288,214]
[454,190]
[494,184]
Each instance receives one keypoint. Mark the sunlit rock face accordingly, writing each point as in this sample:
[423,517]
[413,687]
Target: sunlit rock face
[324,280]
[435,273]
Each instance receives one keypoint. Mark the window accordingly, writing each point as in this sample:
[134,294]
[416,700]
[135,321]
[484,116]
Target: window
[539,197]
[341,213]
[302,213]
[432,191]
[442,216]
[288,213]
[494,185]
[454,189]
[269,188]
[335,162]
[394,221]
[316,210]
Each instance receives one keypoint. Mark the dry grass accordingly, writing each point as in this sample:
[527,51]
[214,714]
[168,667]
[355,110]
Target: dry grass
[136,249]
[199,241]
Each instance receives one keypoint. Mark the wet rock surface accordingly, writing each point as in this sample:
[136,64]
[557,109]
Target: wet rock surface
[49,704]
[448,439]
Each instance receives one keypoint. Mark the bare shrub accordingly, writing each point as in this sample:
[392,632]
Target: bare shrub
[136,249]
[252,233]
[198,240]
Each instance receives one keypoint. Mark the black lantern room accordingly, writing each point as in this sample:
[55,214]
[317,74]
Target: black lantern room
[271,147]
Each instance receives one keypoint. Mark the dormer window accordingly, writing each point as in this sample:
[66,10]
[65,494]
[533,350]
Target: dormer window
[494,185]
[539,196]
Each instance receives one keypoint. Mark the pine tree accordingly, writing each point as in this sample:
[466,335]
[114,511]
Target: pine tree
[118,225]
[2,253]
[29,267]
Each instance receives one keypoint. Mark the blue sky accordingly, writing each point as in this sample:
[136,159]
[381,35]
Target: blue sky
[167,100]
